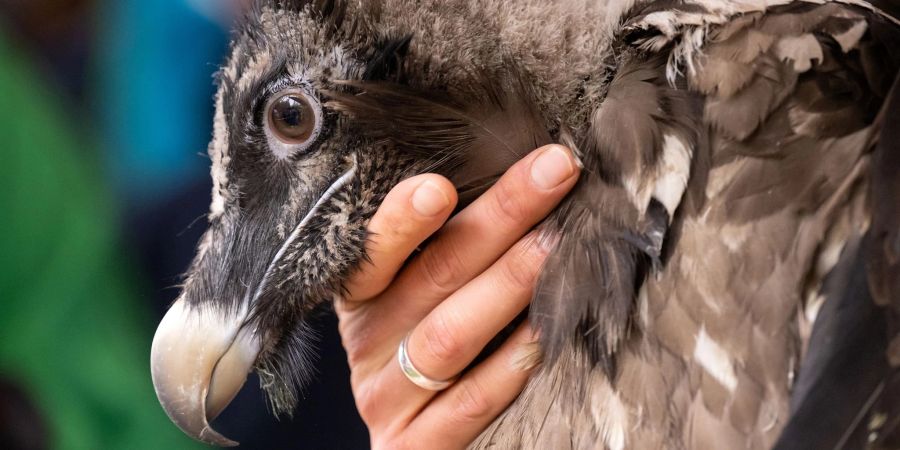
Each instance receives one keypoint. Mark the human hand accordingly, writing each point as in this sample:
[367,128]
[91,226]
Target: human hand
[470,282]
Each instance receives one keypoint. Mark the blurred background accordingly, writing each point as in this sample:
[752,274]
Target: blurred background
[105,115]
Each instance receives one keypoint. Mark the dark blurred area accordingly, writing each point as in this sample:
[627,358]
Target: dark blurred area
[105,116]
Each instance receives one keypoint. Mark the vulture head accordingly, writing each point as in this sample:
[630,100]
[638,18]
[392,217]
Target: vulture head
[315,122]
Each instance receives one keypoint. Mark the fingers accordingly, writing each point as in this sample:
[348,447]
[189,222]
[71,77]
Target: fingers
[458,415]
[411,212]
[486,282]
[455,332]
[473,239]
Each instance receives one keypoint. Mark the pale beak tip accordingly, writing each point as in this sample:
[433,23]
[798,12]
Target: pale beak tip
[198,362]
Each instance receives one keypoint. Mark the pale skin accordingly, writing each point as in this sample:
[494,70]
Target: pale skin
[470,282]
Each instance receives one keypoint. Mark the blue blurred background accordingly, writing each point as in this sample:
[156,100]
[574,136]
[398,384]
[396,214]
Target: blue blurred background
[105,114]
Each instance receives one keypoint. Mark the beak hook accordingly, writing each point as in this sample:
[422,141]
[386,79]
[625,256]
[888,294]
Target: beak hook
[199,360]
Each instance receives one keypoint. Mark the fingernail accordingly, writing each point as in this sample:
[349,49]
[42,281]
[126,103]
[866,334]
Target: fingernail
[552,167]
[429,199]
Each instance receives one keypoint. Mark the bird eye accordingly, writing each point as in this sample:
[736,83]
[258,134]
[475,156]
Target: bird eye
[292,119]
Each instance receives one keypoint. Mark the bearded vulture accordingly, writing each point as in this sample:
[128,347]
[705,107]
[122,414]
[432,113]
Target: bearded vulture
[727,273]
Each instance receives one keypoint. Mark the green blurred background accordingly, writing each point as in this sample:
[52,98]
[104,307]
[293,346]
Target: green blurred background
[105,112]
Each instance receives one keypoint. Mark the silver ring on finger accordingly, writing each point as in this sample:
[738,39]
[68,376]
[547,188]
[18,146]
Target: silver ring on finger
[414,375]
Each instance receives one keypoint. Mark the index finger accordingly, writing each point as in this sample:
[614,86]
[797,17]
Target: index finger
[412,211]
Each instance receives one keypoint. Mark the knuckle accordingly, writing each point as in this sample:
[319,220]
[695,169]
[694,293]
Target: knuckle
[442,269]
[356,355]
[366,404]
[442,341]
[355,339]
[505,206]
[472,403]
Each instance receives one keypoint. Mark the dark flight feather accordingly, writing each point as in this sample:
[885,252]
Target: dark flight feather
[838,380]
[608,243]
[586,294]
[847,392]
[884,264]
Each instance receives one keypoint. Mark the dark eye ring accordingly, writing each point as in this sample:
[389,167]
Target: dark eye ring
[292,118]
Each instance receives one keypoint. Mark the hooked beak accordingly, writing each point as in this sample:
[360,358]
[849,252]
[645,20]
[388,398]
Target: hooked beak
[201,355]
[199,360]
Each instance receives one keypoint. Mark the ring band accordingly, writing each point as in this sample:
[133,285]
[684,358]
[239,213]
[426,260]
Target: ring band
[414,375]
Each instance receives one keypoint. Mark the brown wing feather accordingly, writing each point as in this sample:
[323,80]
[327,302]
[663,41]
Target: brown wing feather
[787,121]
[608,239]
